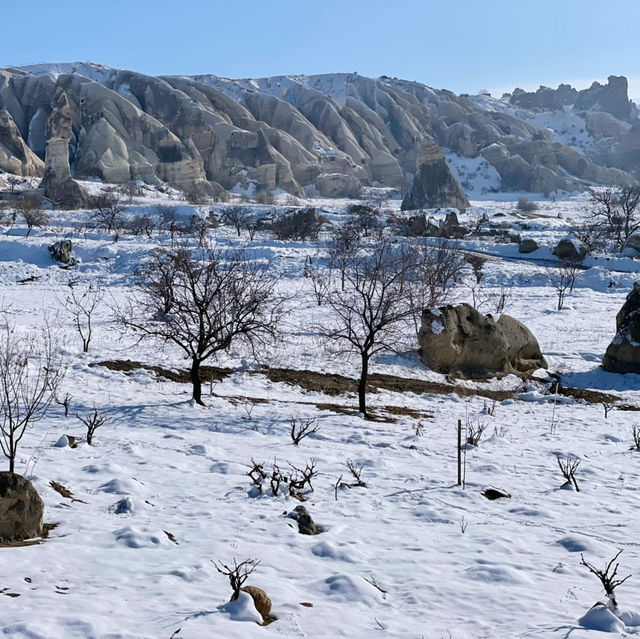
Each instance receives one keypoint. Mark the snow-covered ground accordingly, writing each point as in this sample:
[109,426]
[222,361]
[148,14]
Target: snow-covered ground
[164,491]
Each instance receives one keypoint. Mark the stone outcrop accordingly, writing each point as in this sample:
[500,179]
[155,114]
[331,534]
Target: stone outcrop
[623,354]
[306,525]
[58,185]
[21,508]
[261,600]
[461,341]
[434,185]
[527,245]
[61,251]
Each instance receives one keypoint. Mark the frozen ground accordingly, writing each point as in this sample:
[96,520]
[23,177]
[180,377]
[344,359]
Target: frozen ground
[447,562]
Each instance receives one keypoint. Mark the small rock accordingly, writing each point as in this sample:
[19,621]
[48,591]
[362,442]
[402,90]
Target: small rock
[306,526]
[528,246]
[495,493]
[124,506]
[261,600]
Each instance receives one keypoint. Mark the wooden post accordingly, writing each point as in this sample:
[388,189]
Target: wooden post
[459,452]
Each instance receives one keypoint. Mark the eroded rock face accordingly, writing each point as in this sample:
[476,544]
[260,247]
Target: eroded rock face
[15,156]
[623,354]
[21,508]
[58,185]
[461,341]
[434,185]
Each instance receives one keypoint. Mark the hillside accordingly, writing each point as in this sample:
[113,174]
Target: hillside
[326,135]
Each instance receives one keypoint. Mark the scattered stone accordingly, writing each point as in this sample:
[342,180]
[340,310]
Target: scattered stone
[623,354]
[495,493]
[67,440]
[459,340]
[527,245]
[21,508]
[306,525]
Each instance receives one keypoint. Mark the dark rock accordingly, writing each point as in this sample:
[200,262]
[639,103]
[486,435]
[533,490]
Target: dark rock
[528,246]
[306,526]
[570,248]
[495,493]
[459,340]
[434,186]
[21,508]
[61,251]
[623,354]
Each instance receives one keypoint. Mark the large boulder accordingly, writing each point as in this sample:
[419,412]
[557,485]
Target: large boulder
[570,248]
[527,245]
[623,354]
[461,341]
[21,508]
[434,186]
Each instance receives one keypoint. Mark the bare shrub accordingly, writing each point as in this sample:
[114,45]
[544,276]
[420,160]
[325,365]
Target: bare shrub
[237,573]
[92,422]
[319,278]
[236,216]
[30,208]
[607,576]
[65,402]
[108,213]
[568,467]
[141,225]
[475,430]
[343,248]
[301,225]
[296,480]
[635,433]
[302,427]
[563,278]
[616,211]
[356,473]
[168,217]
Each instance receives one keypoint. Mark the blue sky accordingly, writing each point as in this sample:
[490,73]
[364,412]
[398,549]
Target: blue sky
[462,45]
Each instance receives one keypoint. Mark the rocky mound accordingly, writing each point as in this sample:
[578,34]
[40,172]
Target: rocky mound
[623,354]
[461,341]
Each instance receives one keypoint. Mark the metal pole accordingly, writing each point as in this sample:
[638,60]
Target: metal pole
[459,452]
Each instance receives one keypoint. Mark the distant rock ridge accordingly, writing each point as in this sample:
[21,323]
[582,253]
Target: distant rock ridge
[327,134]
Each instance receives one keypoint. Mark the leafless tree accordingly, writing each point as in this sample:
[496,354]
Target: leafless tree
[65,402]
[439,268]
[616,210]
[320,279]
[31,210]
[82,302]
[343,248]
[563,277]
[30,373]
[202,300]
[107,214]
[370,315]
[237,573]
[607,577]
[236,216]
[93,421]
[169,220]
[13,181]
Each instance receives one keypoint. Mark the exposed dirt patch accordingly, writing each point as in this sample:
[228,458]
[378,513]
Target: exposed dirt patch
[335,385]
[65,492]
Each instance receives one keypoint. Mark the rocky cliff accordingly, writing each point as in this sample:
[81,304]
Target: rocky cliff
[329,134]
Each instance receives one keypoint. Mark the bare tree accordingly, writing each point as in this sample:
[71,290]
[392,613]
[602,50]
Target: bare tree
[30,373]
[169,219]
[568,467]
[93,421]
[563,277]
[343,248]
[236,216]
[13,181]
[370,315]
[439,268]
[108,213]
[82,304]
[202,300]
[302,427]
[616,210]
[31,210]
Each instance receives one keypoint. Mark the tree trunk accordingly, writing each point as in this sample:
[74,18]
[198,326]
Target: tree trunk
[195,380]
[362,385]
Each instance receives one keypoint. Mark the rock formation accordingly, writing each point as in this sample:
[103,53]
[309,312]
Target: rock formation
[459,340]
[58,185]
[571,249]
[434,185]
[327,134]
[21,509]
[623,354]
